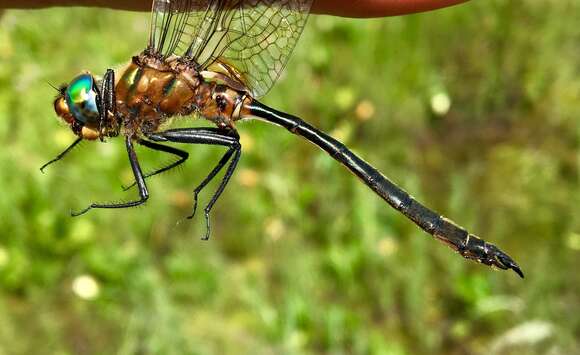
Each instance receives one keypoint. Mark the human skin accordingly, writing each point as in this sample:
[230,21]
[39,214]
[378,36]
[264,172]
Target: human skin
[346,8]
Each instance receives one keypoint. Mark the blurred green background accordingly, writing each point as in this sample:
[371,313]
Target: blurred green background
[475,110]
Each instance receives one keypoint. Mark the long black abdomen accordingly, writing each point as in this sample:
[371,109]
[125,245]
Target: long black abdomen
[468,245]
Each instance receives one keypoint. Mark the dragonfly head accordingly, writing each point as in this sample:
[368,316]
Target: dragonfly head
[77,105]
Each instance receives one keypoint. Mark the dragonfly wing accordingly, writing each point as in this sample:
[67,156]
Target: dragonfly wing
[253,38]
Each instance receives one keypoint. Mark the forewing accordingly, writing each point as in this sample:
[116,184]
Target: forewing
[254,37]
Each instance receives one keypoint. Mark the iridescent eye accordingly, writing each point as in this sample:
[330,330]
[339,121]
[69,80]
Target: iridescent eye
[81,98]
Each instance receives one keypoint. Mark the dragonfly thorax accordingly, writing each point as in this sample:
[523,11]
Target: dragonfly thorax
[151,90]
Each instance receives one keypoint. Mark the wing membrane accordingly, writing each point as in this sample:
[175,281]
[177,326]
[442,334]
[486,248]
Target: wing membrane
[254,37]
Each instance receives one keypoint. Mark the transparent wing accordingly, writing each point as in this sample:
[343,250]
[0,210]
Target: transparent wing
[252,39]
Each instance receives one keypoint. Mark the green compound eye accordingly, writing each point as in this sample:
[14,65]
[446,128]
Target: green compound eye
[81,99]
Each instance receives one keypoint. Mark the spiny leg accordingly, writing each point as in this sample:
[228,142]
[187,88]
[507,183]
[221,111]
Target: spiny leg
[108,92]
[183,155]
[107,97]
[61,155]
[223,161]
[139,178]
[211,136]
[106,102]
[221,188]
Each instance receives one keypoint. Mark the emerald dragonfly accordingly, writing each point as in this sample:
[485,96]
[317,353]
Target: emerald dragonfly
[215,59]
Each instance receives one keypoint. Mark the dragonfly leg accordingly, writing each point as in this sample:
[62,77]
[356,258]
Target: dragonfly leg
[183,155]
[61,155]
[221,187]
[211,136]
[106,102]
[108,92]
[223,161]
[139,178]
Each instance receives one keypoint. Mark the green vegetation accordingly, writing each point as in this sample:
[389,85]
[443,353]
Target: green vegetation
[303,258]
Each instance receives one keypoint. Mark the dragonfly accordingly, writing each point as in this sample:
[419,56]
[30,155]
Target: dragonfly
[214,59]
